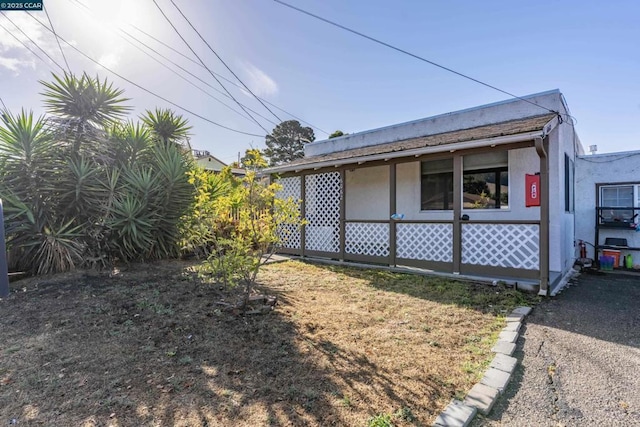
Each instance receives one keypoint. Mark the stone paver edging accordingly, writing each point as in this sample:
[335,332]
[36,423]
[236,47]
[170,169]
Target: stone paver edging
[484,394]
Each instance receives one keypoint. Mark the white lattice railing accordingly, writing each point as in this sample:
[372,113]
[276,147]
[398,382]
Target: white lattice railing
[501,245]
[323,192]
[290,235]
[427,242]
[367,238]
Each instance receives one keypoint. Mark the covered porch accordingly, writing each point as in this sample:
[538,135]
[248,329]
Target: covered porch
[451,203]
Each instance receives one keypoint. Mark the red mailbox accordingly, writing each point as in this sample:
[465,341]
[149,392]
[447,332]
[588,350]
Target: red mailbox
[532,187]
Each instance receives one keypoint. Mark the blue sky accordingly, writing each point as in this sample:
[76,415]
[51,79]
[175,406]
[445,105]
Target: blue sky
[335,80]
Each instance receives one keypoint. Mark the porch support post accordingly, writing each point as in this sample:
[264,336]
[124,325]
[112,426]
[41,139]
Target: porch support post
[392,210]
[303,213]
[343,212]
[541,146]
[457,212]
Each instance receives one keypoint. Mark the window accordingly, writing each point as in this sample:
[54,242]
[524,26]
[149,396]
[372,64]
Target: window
[618,196]
[436,185]
[568,184]
[485,181]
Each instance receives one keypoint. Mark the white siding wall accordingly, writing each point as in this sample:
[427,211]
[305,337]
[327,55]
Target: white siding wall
[603,169]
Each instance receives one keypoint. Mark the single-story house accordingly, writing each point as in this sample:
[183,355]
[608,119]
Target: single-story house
[483,192]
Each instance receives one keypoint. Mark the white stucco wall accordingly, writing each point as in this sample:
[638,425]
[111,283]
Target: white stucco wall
[464,119]
[367,193]
[521,162]
[562,249]
[610,168]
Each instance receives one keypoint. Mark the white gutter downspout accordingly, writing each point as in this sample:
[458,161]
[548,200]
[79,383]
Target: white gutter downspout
[544,215]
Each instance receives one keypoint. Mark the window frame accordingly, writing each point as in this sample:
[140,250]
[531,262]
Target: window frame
[498,169]
[635,199]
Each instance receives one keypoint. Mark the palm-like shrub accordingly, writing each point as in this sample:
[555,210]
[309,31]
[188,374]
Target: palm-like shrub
[41,237]
[83,188]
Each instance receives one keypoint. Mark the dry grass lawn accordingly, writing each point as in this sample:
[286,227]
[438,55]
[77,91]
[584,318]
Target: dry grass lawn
[149,347]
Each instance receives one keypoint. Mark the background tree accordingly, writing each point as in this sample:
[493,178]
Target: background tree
[286,142]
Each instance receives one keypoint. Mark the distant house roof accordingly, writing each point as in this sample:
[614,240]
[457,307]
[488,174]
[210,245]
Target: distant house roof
[536,126]
[211,163]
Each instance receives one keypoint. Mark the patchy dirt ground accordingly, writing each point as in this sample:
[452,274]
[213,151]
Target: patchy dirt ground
[149,347]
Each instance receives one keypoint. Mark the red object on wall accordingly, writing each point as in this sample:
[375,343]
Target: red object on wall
[532,187]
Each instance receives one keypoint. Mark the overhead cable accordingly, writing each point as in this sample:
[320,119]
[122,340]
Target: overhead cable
[145,89]
[58,41]
[221,60]
[301,120]
[31,40]
[163,64]
[413,55]
[207,68]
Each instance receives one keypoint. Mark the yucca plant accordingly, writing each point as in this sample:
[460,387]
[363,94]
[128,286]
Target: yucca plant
[83,188]
[41,239]
[82,107]
[167,127]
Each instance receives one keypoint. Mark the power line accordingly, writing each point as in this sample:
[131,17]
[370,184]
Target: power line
[200,65]
[221,60]
[166,45]
[413,55]
[187,80]
[79,3]
[146,90]
[24,44]
[121,30]
[202,62]
[58,41]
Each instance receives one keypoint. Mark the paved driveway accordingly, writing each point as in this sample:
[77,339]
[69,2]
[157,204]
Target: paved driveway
[579,359]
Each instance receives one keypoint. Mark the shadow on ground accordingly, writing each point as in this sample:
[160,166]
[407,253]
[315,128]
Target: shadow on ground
[151,349]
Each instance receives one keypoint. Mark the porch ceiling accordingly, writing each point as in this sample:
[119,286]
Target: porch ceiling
[484,135]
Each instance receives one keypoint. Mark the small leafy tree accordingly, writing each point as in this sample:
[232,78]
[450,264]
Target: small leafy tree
[199,225]
[249,229]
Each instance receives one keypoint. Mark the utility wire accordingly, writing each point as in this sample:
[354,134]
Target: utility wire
[188,72]
[188,80]
[218,75]
[221,60]
[31,40]
[390,46]
[123,31]
[23,44]
[145,89]
[301,120]
[202,62]
[58,41]
[150,36]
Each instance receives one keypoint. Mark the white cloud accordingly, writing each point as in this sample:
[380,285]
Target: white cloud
[14,64]
[109,60]
[259,82]
[13,40]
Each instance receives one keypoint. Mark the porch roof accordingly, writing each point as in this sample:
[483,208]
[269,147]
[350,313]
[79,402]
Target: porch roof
[493,134]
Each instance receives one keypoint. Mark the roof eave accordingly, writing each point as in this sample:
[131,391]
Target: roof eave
[465,145]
